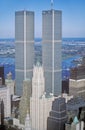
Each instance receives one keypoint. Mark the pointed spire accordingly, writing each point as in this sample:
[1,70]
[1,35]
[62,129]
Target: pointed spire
[75,121]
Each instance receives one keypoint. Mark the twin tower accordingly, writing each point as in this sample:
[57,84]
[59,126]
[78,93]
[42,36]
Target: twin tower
[51,49]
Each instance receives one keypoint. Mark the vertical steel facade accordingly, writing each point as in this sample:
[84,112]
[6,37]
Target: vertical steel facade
[51,50]
[24,36]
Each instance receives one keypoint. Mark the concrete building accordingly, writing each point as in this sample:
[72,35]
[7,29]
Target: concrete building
[78,72]
[10,83]
[40,103]
[73,106]
[51,50]
[25,100]
[57,117]
[77,80]
[24,40]
[77,87]
[27,123]
[5,96]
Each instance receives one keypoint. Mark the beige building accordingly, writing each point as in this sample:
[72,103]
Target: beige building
[5,96]
[77,80]
[40,104]
[77,87]
[25,100]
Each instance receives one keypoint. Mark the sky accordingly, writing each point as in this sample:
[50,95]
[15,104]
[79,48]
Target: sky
[73,16]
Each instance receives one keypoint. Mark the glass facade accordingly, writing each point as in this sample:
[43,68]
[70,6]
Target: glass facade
[51,50]
[24,36]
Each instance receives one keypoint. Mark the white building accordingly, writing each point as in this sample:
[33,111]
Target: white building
[27,122]
[5,96]
[10,83]
[40,104]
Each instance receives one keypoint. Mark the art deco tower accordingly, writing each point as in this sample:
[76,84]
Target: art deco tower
[51,50]
[40,104]
[24,36]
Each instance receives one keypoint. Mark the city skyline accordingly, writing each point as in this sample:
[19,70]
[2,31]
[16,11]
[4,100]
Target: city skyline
[73,16]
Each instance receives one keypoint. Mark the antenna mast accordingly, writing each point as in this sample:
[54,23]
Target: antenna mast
[52,4]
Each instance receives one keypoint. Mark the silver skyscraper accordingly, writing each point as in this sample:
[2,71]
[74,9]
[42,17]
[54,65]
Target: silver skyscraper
[24,36]
[51,50]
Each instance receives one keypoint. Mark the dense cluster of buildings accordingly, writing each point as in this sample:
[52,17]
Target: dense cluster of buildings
[77,80]
[39,99]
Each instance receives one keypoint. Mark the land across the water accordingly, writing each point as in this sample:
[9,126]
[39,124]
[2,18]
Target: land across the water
[73,49]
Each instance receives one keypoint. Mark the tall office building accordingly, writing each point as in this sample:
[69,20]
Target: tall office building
[58,116]
[24,36]
[77,80]
[51,50]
